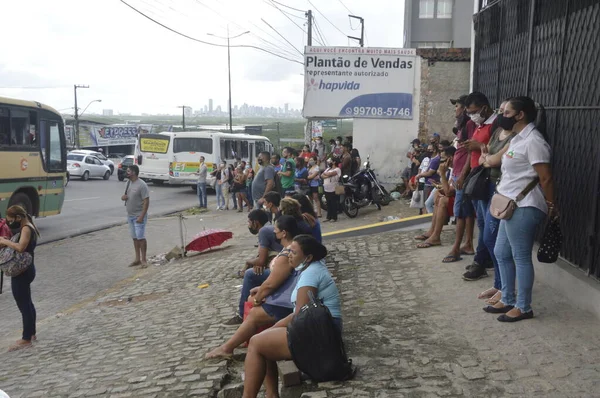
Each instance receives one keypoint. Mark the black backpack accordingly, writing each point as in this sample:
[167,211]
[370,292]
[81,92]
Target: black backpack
[316,344]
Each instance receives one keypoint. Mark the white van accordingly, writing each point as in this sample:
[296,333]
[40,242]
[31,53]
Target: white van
[174,158]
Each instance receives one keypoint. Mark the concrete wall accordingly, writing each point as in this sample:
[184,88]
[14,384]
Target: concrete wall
[456,30]
[387,141]
[441,81]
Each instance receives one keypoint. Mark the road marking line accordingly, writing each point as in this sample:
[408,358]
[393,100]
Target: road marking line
[74,200]
[341,231]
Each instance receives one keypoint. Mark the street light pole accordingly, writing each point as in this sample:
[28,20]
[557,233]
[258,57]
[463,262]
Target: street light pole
[228,38]
[75,87]
[183,107]
[88,105]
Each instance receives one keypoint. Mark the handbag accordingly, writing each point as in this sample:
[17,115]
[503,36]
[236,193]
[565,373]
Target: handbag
[282,297]
[551,242]
[476,185]
[340,189]
[417,201]
[13,263]
[316,344]
[502,207]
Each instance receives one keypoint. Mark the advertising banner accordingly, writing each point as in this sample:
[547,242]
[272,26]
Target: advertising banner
[359,82]
[126,134]
[317,129]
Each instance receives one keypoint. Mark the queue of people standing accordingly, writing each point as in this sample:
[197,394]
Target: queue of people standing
[500,156]
[314,171]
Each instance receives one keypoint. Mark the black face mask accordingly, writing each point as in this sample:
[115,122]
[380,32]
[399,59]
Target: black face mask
[506,123]
[253,230]
[260,162]
[14,225]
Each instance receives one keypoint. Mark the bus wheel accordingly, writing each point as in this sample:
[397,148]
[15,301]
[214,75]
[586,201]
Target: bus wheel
[22,200]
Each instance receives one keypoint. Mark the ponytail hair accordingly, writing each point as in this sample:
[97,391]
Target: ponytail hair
[18,210]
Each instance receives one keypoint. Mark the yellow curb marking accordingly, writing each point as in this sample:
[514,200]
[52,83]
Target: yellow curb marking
[342,231]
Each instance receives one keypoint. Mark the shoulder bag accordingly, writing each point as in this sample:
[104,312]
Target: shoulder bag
[502,207]
[551,242]
[282,297]
[13,263]
[476,184]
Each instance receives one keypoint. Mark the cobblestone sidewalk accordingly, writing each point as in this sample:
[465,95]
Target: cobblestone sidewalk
[413,327]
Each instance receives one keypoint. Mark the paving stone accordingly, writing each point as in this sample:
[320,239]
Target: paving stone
[523,373]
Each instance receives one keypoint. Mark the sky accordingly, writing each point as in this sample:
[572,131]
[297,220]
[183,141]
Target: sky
[136,66]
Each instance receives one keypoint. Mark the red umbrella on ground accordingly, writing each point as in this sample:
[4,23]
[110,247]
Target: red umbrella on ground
[208,239]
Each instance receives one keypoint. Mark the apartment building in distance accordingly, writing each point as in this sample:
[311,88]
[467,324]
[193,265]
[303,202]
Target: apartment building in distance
[438,23]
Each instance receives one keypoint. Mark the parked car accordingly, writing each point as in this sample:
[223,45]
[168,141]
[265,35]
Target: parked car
[127,161]
[86,166]
[103,159]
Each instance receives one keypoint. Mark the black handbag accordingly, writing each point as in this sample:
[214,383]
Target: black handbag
[316,344]
[477,183]
[551,242]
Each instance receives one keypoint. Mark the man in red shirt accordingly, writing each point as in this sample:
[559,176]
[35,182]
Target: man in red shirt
[481,113]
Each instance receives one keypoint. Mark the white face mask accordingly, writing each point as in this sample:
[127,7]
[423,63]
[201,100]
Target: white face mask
[265,207]
[477,118]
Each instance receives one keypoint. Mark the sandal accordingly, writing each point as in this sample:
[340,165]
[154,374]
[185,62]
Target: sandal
[240,274]
[451,259]
[421,237]
[426,245]
[495,298]
[488,294]
[135,263]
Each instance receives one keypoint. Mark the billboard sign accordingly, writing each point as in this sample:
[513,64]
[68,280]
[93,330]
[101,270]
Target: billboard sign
[317,129]
[359,82]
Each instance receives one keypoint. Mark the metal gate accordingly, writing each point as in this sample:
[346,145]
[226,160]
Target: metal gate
[549,50]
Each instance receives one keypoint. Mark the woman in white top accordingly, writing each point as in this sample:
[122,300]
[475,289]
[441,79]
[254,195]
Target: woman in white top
[331,178]
[527,159]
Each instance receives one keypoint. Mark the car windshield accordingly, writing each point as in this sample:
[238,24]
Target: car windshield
[127,161]
[78,158]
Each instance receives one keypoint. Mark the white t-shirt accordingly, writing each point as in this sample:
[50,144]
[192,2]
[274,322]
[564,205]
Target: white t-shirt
[423,168]
[329,183]
[527,149]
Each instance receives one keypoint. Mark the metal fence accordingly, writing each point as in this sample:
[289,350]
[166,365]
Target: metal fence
[549,50]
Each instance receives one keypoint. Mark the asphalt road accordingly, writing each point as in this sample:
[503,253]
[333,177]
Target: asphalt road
[96,204]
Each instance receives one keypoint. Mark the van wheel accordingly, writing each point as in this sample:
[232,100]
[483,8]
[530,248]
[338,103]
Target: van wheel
[85,176]
[22,200]
[106,175]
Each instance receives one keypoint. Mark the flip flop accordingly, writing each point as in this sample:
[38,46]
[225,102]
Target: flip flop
[422,237]
[451,259]
[487,294]
[464,253]
[426,245]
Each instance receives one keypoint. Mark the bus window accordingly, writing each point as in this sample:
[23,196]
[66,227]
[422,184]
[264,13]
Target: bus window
[4,127]
[228,150]
[19,126]
[244,149]
[54,152]
[260,147]
[203,145]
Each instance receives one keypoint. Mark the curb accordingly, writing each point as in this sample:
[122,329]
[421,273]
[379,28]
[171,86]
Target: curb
[112,225]
[385,226]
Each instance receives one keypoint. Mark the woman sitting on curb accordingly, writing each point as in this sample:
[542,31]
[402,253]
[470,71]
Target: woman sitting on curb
[309,215]
[272,345]
[263,314]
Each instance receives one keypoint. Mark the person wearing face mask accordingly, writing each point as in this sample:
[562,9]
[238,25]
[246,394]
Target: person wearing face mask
[271,202]
[254,272]
[267,308]
[491,159]
[481,113]
[331,177]
[264,180]
[276,162]
[526,179]
[272,344]
[313,182]
[319,150]
[20,222]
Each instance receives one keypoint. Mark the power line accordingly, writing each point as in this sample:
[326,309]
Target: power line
[299,52]
[327,19]
[282,11]
[342,3]
[291,8]
[285,14]
[319,32]
[206,42]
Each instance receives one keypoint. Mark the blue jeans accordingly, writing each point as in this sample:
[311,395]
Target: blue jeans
[430,202]
[513,251]
[251,280]
[202,194]
[482,254]
[490,234]
[220,197]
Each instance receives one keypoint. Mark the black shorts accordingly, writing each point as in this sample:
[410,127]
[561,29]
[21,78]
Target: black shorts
[314,189]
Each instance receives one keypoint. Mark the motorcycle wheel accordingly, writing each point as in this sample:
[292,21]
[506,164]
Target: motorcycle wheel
[350,208]
[382,199]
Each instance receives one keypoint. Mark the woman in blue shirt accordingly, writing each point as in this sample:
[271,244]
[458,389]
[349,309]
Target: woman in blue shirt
[272,345]
[309,215]
[300,176]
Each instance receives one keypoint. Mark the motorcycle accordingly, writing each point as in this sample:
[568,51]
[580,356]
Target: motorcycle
[363,189]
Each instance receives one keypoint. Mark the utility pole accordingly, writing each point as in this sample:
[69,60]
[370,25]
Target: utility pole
[310,25]
[75,87]
[183,107]
[361,39]
[278,139]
